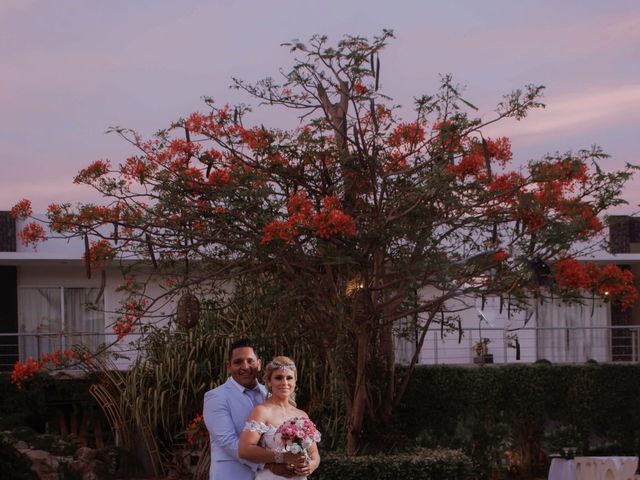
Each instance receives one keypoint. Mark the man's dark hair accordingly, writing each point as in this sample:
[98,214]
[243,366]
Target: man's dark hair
[241,343]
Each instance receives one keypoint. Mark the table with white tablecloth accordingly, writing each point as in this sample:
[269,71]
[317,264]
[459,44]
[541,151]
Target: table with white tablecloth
[593,468]
[562,469]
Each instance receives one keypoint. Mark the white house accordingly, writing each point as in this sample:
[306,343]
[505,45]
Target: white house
[45,295]
[551,330]
[48,299]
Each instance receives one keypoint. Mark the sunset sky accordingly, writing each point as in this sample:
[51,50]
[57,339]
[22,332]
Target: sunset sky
[72,68]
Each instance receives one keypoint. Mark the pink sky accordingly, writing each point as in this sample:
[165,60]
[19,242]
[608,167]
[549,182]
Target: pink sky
[72,68]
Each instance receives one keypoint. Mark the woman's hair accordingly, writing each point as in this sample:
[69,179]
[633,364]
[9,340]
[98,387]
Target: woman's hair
[280,362]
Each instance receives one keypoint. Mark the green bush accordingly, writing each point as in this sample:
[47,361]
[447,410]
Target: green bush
[421,464]
[523,411]
[34,404]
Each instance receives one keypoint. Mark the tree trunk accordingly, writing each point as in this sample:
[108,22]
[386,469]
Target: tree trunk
[359,403]
[389,362]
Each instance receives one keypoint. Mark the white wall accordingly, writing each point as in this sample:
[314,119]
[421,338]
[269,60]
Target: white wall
[565,333]
[59,274]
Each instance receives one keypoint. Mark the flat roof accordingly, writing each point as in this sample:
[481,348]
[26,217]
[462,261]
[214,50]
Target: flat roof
[605,257]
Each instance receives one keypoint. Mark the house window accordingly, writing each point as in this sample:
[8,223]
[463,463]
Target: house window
[55,318]
[574,333]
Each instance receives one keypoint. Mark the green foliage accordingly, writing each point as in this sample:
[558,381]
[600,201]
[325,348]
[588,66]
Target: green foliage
[164,389]
[421,464]
[32,404]
[28,405]
[527,411]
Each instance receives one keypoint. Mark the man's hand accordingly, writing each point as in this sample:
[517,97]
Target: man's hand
[282,469]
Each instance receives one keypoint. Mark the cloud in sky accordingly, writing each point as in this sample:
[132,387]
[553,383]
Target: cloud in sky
[603,107]
[72,68]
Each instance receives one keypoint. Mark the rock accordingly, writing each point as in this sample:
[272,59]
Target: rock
[85,454]
[86,465]
[43,464]
[90,476]
[20,445]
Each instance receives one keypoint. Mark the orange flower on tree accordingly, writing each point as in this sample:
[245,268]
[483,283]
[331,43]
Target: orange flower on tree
[499,149]
[94,171]
[256,138]
[300,207]
[332,221]
[278,229]
[30,367]
[22,209]
[569,273]
[397,161]
[136,169]
[32,234]
[617,285]
[329,221]
[406,134]
[474,162]
[610,282]
[500,256]
[90,214]
[220,178]
[100,252]
[132,310]
[446,137]
[60,218]
[360,88]
[23,371]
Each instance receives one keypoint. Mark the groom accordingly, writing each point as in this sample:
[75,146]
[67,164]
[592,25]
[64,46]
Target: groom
[226,409]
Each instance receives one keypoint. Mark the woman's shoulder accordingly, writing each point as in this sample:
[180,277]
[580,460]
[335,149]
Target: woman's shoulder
[259,420]
[264,413]
[260,412]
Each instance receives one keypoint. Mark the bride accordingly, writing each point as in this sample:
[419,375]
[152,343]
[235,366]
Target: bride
[257,443]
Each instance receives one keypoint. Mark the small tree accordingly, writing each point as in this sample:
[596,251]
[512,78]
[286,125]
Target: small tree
[351,213]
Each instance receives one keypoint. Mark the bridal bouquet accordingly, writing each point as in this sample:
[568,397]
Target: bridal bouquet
[296,435]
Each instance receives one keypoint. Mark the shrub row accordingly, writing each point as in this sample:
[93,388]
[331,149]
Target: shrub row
[421,464]
[513,415]
[526,411]
[35,403]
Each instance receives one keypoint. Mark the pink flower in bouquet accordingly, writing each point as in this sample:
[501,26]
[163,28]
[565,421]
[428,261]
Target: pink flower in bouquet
[296,435]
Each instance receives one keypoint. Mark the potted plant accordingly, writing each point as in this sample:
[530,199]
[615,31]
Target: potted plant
[481,349]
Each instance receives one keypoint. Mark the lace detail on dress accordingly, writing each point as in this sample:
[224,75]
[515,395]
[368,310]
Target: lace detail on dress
[268,441]
[259,427]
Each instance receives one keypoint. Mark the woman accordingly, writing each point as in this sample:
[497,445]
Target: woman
[257,443]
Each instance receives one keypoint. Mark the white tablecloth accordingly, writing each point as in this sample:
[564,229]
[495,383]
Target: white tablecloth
[562,469]
[593,468]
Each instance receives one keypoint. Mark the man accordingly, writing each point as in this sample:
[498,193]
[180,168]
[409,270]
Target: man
[226,409]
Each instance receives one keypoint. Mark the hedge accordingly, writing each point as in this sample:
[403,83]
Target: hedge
[422,464]
[34,404]
[509,415]
[528,411]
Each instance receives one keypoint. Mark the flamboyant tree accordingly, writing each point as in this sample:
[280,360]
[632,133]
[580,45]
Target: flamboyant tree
[367,221]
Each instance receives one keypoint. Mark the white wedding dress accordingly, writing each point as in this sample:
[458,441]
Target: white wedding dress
[266,441]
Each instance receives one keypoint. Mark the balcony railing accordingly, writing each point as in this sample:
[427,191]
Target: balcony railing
[19,346]
[558,345]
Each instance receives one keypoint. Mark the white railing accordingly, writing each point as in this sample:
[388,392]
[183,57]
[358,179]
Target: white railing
[19,346]
[558,345]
